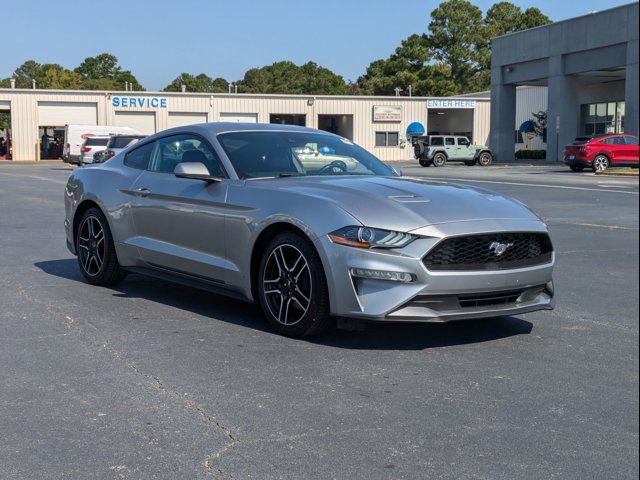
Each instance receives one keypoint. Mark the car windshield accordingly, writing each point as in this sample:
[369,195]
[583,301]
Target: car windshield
[283,154]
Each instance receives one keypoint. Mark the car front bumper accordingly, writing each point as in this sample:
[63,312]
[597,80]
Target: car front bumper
[434,296]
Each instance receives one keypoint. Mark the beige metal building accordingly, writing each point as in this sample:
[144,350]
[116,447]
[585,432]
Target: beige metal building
[378,124]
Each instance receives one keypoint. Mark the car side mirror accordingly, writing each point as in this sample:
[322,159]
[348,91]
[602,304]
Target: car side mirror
[194,170]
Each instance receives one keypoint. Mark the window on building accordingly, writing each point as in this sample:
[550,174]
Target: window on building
[387,139]
[601,118]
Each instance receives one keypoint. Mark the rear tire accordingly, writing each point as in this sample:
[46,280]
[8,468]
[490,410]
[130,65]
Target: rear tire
[601,163]
[292,287]
[485,159]
[96,253]
[439,160]
[576,168]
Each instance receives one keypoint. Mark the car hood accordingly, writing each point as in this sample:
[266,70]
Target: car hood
[404,203]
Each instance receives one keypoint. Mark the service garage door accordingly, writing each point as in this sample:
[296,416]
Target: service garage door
[177,119]
[239,117]
[66,113]
[144,122]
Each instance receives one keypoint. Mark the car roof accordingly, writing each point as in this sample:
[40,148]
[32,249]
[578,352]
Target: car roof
[221,127]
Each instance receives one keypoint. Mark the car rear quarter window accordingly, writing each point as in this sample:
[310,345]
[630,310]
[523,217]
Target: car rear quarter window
[139,157]
[631,140]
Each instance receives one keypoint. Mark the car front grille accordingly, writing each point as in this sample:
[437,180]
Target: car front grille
[493,251]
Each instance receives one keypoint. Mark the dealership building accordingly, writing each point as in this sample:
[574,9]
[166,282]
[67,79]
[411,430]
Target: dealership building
[589,66]
[382,125]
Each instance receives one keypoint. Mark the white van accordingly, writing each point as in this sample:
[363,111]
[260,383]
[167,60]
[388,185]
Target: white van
[74,135]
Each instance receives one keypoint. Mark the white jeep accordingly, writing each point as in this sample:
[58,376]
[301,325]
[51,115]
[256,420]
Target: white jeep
[437,150]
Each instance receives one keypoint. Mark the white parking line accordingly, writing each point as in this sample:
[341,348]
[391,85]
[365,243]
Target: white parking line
[563,187]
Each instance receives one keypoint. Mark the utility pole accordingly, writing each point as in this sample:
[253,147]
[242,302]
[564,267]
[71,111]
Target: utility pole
[409,90]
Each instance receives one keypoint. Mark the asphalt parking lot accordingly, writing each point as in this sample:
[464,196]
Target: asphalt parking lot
[153,380]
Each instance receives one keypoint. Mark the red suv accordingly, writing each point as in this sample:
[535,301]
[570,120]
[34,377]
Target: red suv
[602,152]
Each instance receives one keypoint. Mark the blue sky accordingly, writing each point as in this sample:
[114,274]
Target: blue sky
[158,39]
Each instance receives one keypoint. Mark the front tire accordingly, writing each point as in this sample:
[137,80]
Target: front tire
[96,253]
[439,160]
[601,163]
[292,287]
[485,159]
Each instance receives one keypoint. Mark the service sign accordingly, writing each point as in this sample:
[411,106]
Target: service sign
[138,102]
[387,113]
[450,103]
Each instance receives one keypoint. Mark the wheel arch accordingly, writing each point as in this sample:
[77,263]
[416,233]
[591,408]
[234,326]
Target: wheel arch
[604,154]
[481,151]
[80,209]
[260,245]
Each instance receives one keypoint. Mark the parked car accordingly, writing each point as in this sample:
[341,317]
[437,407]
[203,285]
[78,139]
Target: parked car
[437,150]
[601,152]
[117,143]
[90,146]
[233,209]
[74,135]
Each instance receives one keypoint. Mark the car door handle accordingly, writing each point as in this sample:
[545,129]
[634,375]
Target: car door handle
[142,192]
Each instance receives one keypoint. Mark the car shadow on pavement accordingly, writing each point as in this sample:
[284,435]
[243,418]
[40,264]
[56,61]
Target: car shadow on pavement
[373,336]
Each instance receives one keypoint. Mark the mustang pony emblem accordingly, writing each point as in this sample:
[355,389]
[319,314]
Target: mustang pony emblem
[499,248]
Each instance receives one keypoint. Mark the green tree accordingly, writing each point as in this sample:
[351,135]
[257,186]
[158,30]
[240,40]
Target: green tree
[533,17]
[286,77]
[198,83]
[5,120]
[411,65]
[456,37]
[454,56]
[101,66]
[103,72]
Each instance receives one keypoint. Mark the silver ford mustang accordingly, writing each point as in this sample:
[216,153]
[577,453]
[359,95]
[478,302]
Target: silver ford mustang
[308,225]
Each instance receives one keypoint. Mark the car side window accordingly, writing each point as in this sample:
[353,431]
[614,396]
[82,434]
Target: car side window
[177,149]
[631,140]
[139,158]
[449,141]
[436,141]
[463,142]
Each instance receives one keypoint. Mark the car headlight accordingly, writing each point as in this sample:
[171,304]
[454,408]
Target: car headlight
[366,237]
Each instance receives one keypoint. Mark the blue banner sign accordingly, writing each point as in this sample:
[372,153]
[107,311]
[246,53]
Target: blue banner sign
[139,102]
[450,103]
